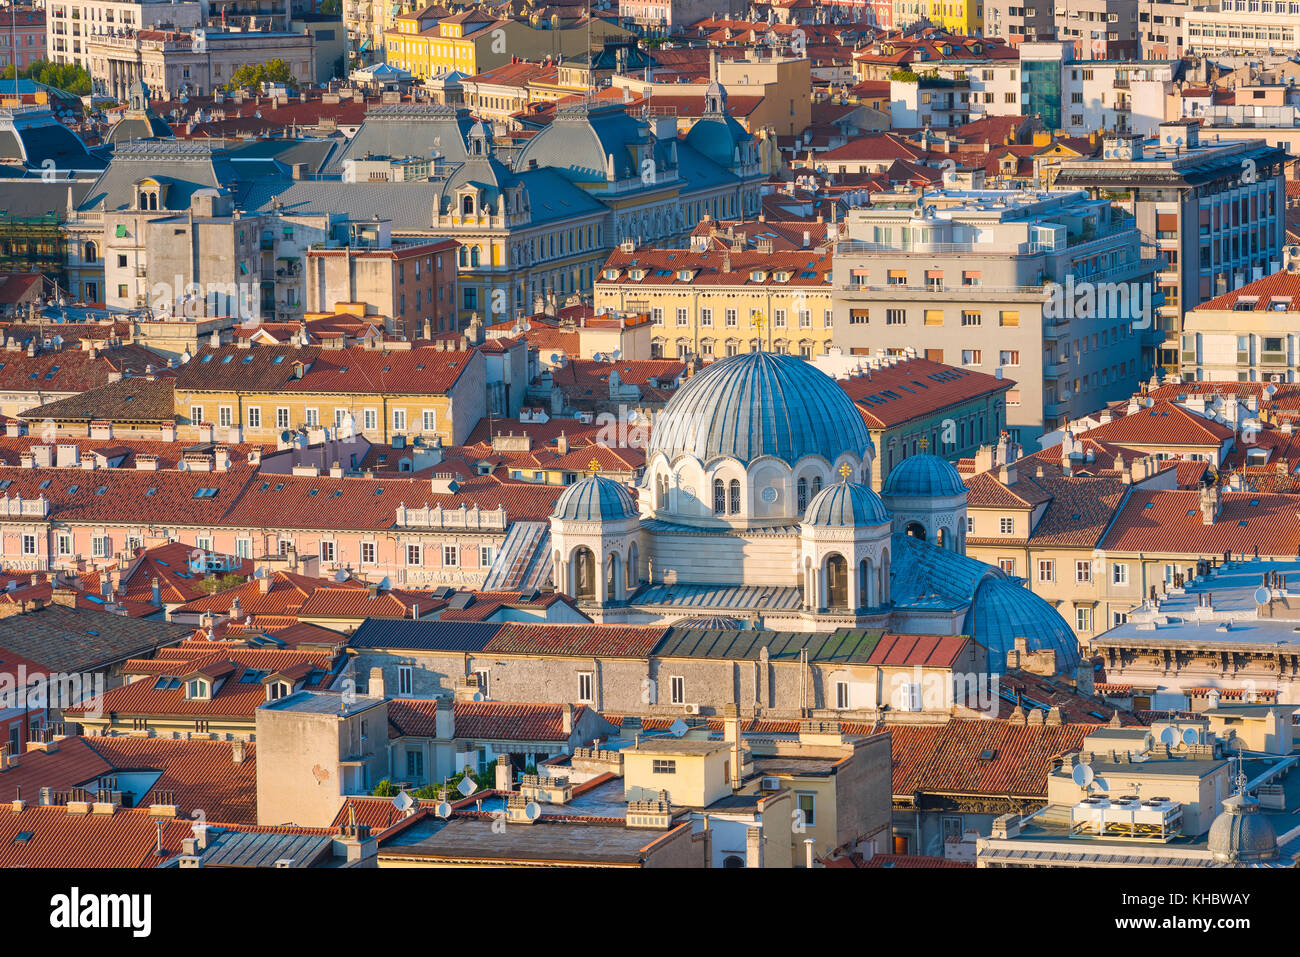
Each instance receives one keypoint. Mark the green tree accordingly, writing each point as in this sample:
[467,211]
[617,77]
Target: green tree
[254,75]
[385,789]
[62,76]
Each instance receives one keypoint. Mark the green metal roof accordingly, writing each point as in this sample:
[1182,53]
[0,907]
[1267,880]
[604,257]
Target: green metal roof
[853,645]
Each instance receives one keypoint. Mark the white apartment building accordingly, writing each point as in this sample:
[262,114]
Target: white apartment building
[69,23]
[1244,27]
[967,278]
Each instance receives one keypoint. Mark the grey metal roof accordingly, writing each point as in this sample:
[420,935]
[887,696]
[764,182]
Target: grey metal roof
[424,635]
[760,404]
[845,644]
[409,129]
[261,849]
[746,597]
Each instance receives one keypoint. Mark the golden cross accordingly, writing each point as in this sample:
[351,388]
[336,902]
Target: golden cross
[924,443]
[846,470]
[757,320]
[594,465]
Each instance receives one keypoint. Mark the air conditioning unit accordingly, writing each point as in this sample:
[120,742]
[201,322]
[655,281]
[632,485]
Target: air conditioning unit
[691,708]
[771,784]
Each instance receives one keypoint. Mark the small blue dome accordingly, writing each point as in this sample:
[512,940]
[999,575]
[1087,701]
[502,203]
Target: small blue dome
[756,404]
[924,476]
[1003,611]
[595,499]
[847,505]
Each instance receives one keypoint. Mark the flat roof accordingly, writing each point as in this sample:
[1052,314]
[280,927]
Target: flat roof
[323,702]
[677,746]
[544,840]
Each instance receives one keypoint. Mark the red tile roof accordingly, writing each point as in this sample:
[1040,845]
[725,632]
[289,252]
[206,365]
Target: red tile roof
[915,388]
[1173,523]
[1262,294]
[1163,423]
[929,650]
[54,838]
[948,759]
[484,720]
[614,641]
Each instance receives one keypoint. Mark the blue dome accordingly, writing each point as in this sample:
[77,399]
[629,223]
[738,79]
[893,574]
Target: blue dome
[847,505]
[1003,611]
[595,499]
[924,476]
[756,404]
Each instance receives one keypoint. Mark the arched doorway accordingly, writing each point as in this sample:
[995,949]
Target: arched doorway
[837,582]
[865,597]
[916,530]
[584,573]
[941,538]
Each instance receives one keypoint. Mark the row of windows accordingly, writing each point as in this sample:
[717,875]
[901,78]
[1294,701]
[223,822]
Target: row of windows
[731,319]
[343,418]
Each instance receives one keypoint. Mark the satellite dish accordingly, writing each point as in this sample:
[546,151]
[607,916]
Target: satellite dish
[1262,595]
[678,728]
[616,354]
[444,810]
[555,358]
[1169,736]
[527,326]
[1082,775]
[1137,757]
[1190,736]
[532,810]
[261,573]
[467,786]
[385,585]
[403,802]
[340,576]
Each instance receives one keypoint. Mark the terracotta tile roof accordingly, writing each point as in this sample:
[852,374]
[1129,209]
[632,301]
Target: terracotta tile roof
[485,604]
[136,399]
[72,370]
[356,601]
[916,388]
[1171,521]
[232,698]
[285,596]
[948,758]
[801,267]
[51,837]
[484,720]
[1163,423]
[615,641]
[930,650]
[1263,295]
[354,370]
[202,775]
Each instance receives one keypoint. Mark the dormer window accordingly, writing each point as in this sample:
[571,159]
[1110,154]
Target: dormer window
[467,205]
[196,689]
[277,690]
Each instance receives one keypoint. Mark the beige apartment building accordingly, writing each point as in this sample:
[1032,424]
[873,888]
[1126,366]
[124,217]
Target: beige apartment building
[1251,335]
[713,304]
[984,279]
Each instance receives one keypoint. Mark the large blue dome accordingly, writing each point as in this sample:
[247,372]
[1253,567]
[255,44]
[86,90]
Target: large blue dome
[923,476]
[1003,611]
[595,499]
[847,505]
[756,404]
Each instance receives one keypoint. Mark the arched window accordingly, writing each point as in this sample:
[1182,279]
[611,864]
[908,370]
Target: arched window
[467,205]
[633,557]
[473,256]
[734,504]
[916,530]
[837,582]
[464,255]
[802,494]
[584,573]
[719,497]
[817,484]
[90,254]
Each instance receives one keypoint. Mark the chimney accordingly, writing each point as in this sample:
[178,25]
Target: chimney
[731,734]
[444,720]
[157,591]
[566,713]
[237,751]
[1210,503]
[505,774]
